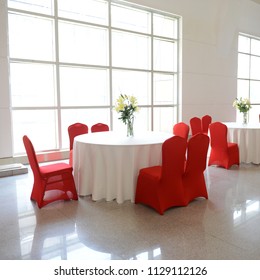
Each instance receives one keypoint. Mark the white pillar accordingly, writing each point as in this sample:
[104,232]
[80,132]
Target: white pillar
[6,147]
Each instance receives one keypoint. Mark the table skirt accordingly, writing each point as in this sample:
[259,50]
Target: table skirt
[114,175]
[248,140]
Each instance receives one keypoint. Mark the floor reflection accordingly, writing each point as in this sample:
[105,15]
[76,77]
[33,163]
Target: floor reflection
[48,234]
[246,211]
[227,226]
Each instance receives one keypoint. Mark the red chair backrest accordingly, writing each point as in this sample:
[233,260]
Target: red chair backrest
[195,125]
[181,129]
[197,153]
[206,121]
[173,158]
[31,156]
[75,130]
[218,136]
[98,127]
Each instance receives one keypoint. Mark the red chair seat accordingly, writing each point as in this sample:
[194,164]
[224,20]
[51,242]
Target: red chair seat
[168,185]
[53,169]
[153,173]
[161,187]
[52,182]
[223,153]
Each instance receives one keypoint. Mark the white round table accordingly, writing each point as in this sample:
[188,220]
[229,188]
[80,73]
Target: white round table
[248,139]
[106,164]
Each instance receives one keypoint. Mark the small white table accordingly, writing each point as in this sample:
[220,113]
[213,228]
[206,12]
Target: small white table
[248,139]
[106,164]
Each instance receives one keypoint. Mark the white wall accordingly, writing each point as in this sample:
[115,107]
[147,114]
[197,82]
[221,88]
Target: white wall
[210,31]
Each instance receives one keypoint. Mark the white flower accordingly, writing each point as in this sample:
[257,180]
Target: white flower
[243,105]
[126,105]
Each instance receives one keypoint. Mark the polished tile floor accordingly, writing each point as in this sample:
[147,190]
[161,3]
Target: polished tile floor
[226,226]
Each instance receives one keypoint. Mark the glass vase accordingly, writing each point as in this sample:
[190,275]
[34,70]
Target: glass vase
[130,127]
[245,117]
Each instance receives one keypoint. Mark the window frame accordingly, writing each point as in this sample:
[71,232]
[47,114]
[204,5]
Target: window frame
[57,64]
[247,92]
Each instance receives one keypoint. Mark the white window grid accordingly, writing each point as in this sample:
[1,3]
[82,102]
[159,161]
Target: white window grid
[248,78]
[58,107]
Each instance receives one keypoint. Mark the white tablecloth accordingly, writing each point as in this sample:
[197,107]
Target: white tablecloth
[106,164]
[248,139]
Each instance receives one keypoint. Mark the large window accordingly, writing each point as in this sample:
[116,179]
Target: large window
[248,84]
[70,60]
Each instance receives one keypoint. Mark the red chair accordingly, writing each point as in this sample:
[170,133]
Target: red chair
[181,129]
[99,127]
[223,153]
[73,131]
[193,178]
[160,187]
[51,182]
[206,121]
[195,125]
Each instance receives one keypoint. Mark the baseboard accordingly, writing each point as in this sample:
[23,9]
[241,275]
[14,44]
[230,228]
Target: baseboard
[12,169]
[42,157]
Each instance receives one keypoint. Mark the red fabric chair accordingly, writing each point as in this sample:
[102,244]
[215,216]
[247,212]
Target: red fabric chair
[223,153]
[161,187]
[195,125]
[73,131]
[193,178]
[99,127]
[51,182]
[206,121]
[181,129]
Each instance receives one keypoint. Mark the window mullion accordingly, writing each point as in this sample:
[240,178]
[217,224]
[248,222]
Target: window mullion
[57,68]
[88,61]
[152,73]
[110,64]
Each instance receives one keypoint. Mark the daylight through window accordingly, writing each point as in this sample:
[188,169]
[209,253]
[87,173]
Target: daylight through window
[248,82]
[69,61]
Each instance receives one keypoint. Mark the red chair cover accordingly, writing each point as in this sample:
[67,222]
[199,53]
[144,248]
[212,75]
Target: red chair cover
[206,121]
[51,182]
[223,153]
[193,179]
[161,187]
[181,129]
[98,127]
[195,125]
[73,131]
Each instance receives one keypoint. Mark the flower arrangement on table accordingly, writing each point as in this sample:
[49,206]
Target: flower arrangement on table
[243,105]
[126,106]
